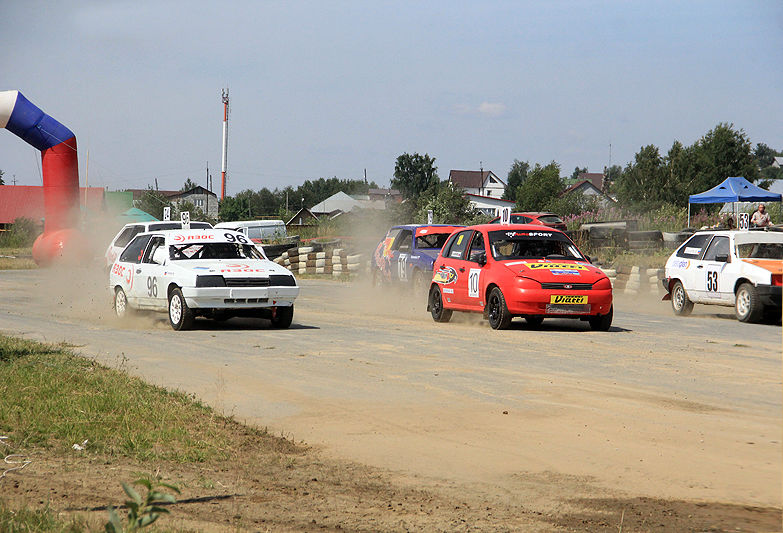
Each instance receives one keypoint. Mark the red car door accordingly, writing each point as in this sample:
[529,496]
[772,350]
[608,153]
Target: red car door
[455,294]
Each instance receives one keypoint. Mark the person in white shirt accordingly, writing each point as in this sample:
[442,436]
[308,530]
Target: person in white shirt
[760,217]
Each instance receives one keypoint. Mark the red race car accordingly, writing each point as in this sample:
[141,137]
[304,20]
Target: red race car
[512,270]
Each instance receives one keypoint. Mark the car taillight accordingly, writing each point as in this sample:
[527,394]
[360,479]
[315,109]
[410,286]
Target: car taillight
[777,279]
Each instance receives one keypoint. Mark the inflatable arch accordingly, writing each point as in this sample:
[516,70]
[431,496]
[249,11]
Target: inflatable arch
[60,169]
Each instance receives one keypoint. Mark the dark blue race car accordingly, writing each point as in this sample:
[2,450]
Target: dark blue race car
[407,253]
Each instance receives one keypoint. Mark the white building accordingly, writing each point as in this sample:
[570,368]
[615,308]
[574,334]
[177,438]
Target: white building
[480,183]
[489,205]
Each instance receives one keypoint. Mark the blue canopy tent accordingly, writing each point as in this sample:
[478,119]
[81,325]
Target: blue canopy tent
[734,189]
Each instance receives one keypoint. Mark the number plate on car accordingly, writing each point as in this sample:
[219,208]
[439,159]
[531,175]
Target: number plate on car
[567,299]
[567,309]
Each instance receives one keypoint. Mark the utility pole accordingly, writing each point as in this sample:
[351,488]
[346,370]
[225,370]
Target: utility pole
[481,185]
[14,180]
[225,144]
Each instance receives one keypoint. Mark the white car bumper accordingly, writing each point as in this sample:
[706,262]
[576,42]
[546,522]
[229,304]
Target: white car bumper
[239,297]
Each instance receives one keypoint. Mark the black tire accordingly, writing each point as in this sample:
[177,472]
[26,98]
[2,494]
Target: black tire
[602,322]
[283,317]
[747,306]
[121,309]
[497,310]
[438,312]
[419,283]
[534,321]
[681,304]
[180,315]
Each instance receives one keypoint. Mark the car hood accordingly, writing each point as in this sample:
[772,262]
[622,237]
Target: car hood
[555,271]
[230,267]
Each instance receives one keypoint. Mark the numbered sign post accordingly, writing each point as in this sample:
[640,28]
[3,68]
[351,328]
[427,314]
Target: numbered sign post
[185,217]
[744,222]
[429,216]
[166,214]
[505,215]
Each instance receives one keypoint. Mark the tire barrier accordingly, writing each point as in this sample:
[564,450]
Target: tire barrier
[634,280]
[306,260]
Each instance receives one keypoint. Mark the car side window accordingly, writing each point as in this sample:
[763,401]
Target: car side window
[693,247]
[718,246]
[134,252]
[519,219]
[404,241]
[460,244]
[126,235]
[476,247]
[155,243]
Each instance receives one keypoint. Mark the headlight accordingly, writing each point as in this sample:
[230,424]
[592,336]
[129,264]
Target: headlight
[282,280]
[210,281]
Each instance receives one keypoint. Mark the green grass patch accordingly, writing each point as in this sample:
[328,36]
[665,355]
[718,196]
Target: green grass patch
[39,521]
[51,398]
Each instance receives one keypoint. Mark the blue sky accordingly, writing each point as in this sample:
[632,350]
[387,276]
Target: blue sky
[322,89]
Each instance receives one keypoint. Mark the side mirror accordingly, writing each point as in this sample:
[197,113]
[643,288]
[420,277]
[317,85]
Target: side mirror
[723,258]
[481,258]
[159,255]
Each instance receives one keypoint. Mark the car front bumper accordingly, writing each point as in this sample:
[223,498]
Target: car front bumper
[540,302]
[239,297]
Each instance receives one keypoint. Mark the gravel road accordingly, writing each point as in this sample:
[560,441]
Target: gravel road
[659,406]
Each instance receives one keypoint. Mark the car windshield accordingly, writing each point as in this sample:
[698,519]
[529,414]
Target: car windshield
[432,240]
[550,219]
[213,250]
[516,244]
[760,250]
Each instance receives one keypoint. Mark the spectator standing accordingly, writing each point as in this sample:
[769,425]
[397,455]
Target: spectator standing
[760,217]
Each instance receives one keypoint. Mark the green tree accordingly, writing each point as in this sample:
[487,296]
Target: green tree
[720,153]
[414,174]
[577,171]
[641,181]
[153,202]
[188,185]
[448,203]
[543,184]
[233,208]
[764,157]
[516,176]
[573,203]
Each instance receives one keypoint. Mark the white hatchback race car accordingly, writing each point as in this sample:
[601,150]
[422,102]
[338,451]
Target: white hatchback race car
[205,272]
[739,268]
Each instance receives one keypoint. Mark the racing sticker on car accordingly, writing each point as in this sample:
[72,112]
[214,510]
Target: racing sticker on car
[182,238]
[556,266]
[474,277]
[712,281]
[564,272]
[401,267]
[567,299]
[681,264]
[445,276]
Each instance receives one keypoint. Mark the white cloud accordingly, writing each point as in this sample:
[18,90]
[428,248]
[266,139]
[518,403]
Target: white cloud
[487,109]
[492,109]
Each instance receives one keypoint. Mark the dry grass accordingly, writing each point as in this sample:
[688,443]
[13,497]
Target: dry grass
[16,259]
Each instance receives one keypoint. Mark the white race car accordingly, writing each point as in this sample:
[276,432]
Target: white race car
[201,272]
[743,269]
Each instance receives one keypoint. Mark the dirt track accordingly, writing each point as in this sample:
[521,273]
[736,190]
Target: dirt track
[659,407]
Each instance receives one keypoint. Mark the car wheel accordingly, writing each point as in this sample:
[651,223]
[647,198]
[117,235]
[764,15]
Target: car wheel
[419,283]
[121,308]
[497,311]
[282,318]
[438,312]
[681,304]
[747,305]
[534,321]
[602,322]
[180,315]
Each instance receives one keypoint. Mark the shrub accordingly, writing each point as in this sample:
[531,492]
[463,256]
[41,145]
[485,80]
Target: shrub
[21,235]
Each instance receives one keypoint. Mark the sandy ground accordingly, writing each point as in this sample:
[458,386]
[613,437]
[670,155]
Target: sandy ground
[658,409]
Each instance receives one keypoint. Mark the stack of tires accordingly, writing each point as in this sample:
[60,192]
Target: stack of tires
[314,260]
[645,240]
